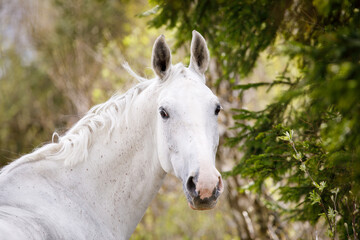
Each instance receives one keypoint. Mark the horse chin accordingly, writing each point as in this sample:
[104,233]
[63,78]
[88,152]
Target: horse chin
[196,203]
[201,208]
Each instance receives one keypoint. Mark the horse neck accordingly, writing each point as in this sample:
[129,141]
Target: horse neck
[123,173]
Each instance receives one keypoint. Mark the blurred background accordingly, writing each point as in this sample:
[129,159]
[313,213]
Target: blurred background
[278,67]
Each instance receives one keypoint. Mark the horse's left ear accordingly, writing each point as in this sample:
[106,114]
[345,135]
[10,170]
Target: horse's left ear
[161,57]
[200,56]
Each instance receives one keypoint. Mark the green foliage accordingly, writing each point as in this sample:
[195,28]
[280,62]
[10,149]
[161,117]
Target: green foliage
[323,107]
[317,165]
[27,100]
[236,43]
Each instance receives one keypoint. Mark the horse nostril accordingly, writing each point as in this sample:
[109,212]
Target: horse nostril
[191,187]
[219,188]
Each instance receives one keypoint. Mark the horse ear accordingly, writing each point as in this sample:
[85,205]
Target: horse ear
[161,57]
[200,56]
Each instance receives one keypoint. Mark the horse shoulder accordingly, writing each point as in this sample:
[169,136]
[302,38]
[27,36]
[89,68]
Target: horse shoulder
[34,203]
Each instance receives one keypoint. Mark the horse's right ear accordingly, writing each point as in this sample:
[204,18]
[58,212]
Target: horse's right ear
[161,57]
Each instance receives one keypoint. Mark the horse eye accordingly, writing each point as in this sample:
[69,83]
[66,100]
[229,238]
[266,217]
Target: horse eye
[163,113]
[217,109]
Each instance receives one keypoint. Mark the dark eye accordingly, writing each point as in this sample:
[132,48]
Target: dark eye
[217,109]
[163,113]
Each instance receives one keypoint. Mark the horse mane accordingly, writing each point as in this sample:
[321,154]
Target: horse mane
[73,146]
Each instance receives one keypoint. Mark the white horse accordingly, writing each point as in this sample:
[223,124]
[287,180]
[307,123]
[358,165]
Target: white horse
[97,180]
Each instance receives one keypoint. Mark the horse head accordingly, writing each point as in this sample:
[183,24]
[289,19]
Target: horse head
[187,128]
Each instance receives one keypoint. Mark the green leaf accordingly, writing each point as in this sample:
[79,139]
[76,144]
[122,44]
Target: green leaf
[331,213]
[322,186]
[303,167]
[335,191]
[250,85]
[288,135]
[329,233]
[284,138]
[298,156]
[152,11]
[314,197]
[316,185]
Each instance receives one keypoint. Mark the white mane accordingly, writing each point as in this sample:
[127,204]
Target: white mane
[73,146]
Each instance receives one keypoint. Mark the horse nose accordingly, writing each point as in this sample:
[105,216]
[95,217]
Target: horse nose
[210,188]
[205,185]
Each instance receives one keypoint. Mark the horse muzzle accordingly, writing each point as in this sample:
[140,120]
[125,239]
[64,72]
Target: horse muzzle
[203,191]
